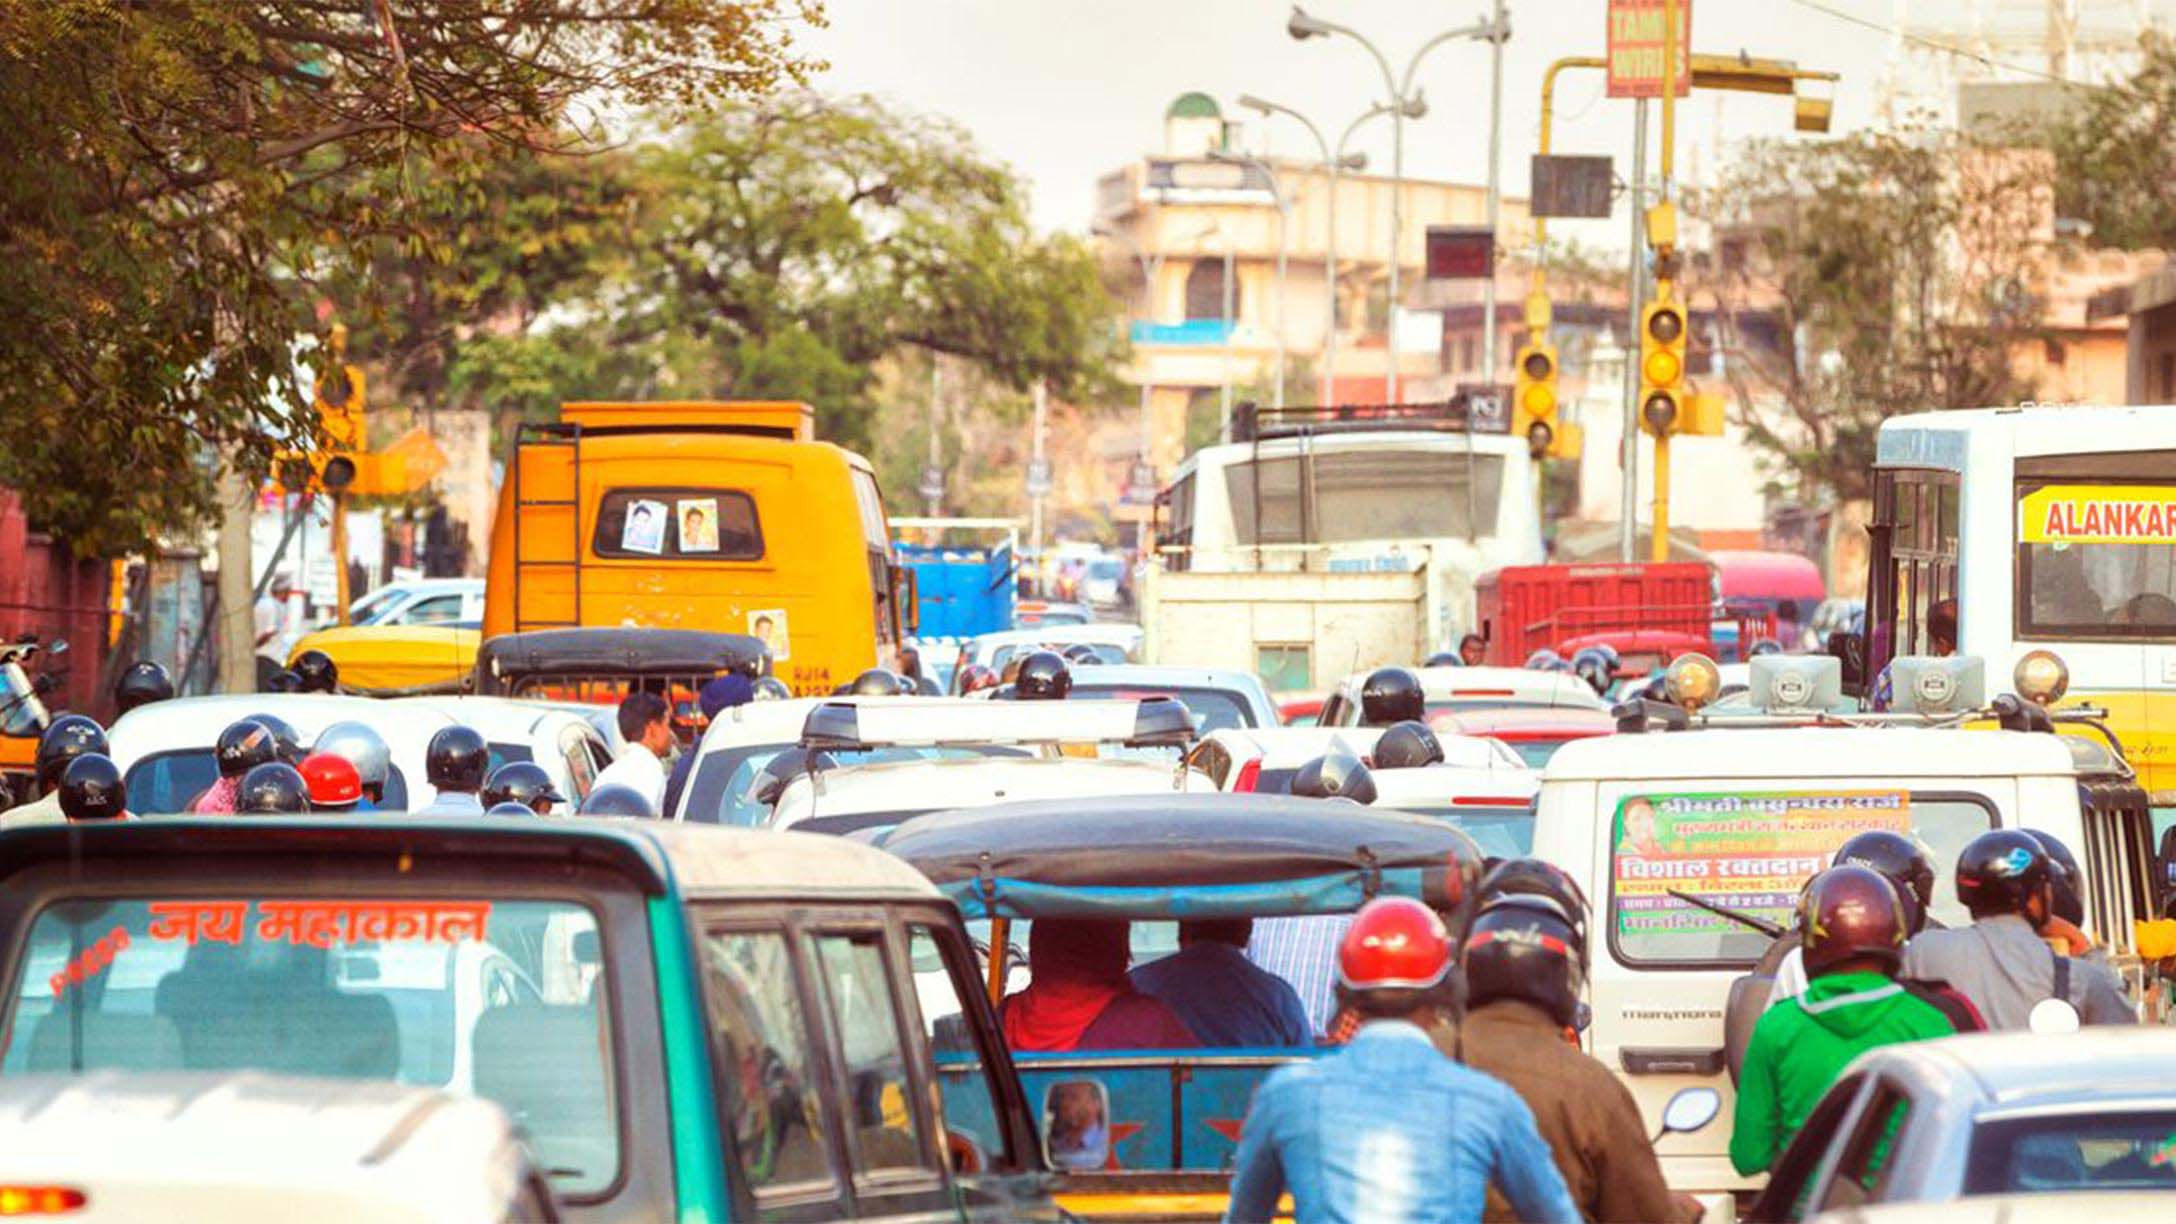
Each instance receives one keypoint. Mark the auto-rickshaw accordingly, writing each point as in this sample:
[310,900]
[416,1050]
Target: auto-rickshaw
[598,666]
[1169,1120]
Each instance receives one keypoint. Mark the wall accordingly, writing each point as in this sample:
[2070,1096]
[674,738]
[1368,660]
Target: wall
[46,592]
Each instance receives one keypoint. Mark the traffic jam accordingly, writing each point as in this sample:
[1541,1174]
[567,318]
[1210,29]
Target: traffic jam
[700,889]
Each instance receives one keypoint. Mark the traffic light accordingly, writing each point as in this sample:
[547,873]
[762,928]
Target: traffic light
[1533,397]
[1662,365]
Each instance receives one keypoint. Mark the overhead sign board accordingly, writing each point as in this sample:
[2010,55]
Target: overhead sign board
[1461,252]
[1571,186]
[1038,478]
[1635,48]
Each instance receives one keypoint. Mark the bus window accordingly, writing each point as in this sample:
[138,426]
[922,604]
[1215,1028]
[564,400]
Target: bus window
[875,533]
[1918,509]
[1334,497]
[1179,535]
[2096,560]
[1265,496]
[678,523]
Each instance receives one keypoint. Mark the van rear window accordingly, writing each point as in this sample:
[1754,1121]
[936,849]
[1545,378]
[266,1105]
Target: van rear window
[1750,852]
[683,524]
[481,995]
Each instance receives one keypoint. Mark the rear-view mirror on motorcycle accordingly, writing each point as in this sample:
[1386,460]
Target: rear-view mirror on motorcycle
[1690,1110]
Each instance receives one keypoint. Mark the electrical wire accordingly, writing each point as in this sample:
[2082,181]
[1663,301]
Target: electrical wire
[1960,52]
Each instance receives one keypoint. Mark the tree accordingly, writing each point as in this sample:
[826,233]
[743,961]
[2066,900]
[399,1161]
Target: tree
[184,172]
[2116,153]
[1870,276]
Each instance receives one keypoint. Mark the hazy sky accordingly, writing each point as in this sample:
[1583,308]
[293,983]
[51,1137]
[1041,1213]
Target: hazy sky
[1067,90]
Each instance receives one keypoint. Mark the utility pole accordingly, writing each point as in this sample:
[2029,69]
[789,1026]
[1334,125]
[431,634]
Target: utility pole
[933,473]
[237,627]
[1224,415]
[1659,545]
[1500,30]
[1635,292]
[1038,479]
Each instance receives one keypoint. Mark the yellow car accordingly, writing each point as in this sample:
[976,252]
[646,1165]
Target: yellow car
[392,659]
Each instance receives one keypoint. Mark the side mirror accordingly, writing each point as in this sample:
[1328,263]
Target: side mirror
[1850,650]
[1077,1125]
[58,648]
[1690,1110]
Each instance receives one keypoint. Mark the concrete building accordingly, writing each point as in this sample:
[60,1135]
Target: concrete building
[2146,311]
[1175,224]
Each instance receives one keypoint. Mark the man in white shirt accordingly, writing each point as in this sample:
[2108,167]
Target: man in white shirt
[646,725]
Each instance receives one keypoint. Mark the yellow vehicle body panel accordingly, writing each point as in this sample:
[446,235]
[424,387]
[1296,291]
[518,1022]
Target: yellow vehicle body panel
[816,586]
[394,658]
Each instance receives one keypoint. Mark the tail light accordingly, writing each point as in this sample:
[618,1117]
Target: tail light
[40,1200]
[1250,776]
[1509,801]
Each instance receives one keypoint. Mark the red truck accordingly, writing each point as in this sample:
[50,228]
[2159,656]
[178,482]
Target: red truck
[1650,613]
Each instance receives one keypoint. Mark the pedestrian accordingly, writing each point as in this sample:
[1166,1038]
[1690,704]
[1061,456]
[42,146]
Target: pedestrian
[1388,1129]
[1472,649]
[1078,997]
[454,763]
[1522,958]
[723,693]
[2004,962]
[1221,995]
[646,725]
[1855,928]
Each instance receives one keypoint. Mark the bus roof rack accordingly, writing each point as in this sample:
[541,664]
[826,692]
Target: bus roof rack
[1252,422]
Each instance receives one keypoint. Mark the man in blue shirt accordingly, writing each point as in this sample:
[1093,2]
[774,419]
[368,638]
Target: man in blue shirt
[1388,1130]
[1221,995]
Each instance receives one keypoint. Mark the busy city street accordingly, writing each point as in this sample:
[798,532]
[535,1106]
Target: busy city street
[1362,612]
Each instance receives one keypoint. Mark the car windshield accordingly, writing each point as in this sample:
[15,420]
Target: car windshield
[1213,709]
[167,783]
[723,789]
[477,994]
[1750,852]
[1501,832]
[2106,1149]
[1005,654]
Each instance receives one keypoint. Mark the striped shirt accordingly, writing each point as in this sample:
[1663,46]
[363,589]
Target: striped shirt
[1303,951]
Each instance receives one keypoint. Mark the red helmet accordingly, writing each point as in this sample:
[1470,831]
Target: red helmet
[332,780]
[1394,943]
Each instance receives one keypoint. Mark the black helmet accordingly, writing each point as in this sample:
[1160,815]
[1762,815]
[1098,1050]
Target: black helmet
[522,782]
[973,678]
[2001,871]
[1597,665]
[143,683]
[65,739]
[1546,659]
[317,672]
[2063,877]
[1533,877]
[243,746]
[1443,658]
[1082,652]
[613,799]
[1900,860]
[876,682]
[509,808]
[1391,695]
[1765,646]
[1408,745]
[455,760]
[1337,774]
[284,740]
[1850,912]
[771,688]
[1043,676]
[283,681]
[273,789]
[1523,946]
[91,789]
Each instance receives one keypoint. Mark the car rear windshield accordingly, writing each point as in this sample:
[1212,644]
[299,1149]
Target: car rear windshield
[2107,1149]
[1536,752]
[1502,832]
[1213,709]
[482,995]
[166,784]
[1750,852]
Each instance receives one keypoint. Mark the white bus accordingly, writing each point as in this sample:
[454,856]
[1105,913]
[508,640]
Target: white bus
[1357,490]
[2038,528]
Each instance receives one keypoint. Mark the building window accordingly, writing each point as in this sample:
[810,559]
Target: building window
[1465,353]
[2056,353]
[1205,291]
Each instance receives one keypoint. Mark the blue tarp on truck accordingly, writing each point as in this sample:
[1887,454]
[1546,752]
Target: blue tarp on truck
[963,592]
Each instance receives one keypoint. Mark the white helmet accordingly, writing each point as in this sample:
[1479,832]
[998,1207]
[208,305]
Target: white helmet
[363,747]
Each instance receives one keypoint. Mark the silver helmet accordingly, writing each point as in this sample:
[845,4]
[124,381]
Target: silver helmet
[364,749]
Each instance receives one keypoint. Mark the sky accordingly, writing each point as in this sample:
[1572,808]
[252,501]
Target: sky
[1065,91]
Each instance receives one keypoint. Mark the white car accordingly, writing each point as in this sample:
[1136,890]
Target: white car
[1265,758]
[854,798]
[1217,699]
[1494,804]
[423,601]
[1113,642]
[164,750]
[241,1147]
[1451,689]
[566,743]
[744,739]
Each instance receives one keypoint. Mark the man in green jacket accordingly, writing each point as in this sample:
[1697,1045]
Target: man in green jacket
[1854,932]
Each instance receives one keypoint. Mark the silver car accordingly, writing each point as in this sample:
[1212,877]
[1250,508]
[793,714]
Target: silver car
[1990,1114]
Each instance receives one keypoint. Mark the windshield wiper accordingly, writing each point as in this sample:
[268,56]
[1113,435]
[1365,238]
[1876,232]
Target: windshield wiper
[1770,929]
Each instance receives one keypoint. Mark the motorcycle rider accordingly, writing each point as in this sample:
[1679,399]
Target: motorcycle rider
[1899,859]
[1043,676]
[334,785]
[366,750]
[1391,695]
[1387,1128]
[2004,962]
[144,682]
[522,782]
[244,745]
[273,789]
[91,790]
[64,739]
[1522,958]
[1855,927]
[317,671]
[454,763]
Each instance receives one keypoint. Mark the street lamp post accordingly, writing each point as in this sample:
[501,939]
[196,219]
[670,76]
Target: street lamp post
[1333,165]
[1284,224]
[1406,104]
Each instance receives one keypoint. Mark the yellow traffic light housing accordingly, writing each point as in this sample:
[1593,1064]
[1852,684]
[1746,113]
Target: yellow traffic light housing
[1533,397]
[1662,365]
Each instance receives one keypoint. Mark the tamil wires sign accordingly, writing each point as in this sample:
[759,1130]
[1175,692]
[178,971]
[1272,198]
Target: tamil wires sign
[1635,48]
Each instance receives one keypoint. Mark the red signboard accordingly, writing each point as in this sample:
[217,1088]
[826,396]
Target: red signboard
[1459,252]
[1635,48]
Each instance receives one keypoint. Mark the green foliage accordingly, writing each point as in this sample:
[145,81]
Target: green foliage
[184,174]
[2116,154]
[1882,273]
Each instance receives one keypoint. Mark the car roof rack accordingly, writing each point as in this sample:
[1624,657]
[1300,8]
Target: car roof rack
[1252,422]
[2010,712]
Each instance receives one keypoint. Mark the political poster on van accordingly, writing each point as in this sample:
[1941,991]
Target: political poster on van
[1748,852]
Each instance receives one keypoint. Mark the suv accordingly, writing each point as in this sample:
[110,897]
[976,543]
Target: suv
[685,1022]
